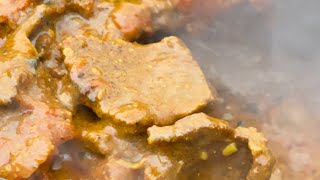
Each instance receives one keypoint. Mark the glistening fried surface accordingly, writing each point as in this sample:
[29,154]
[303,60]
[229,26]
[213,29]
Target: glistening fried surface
[188,127]
[135,18]
[128,20]
[30,131]
[194,151]
[51,55]
[18,57]
[136,84]
[32,121]
[191,148]
[11,10]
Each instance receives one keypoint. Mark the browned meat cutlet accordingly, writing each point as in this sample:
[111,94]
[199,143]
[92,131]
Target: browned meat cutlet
[145,17]
[173,152]
[32,120]
[128,20]
[137,85]
[18,58]
[31,129]
[12,10]
[84,7]
[28,136]
[195,125]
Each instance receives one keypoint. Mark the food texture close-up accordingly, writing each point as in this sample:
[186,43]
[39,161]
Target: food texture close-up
[159,90]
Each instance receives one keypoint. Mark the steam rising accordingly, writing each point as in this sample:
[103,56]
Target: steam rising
[272,55]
